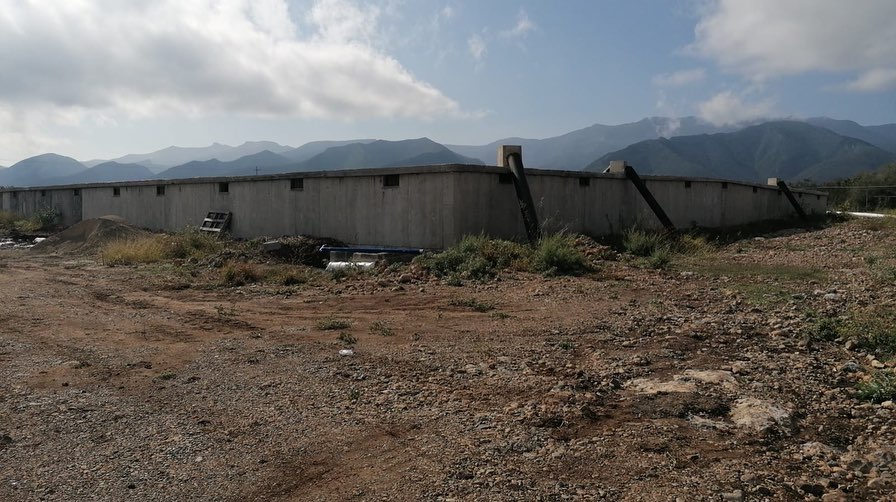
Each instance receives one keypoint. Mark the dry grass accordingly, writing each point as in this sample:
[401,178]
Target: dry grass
[239,274]
[159,247]
[143,249]
[8,219]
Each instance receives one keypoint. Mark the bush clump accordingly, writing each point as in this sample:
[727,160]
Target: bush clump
[557,254]
[479,258]
[476,257]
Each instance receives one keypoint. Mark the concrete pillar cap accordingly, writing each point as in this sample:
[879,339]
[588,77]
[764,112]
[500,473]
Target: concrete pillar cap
[505,150]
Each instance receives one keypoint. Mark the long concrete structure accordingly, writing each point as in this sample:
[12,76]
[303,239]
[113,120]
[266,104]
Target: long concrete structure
[428,206]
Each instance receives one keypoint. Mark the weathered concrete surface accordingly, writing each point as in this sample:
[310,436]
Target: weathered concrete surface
[431,207]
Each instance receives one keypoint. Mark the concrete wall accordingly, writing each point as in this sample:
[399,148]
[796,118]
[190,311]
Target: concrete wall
[431,207]
[355,208]
[66,201]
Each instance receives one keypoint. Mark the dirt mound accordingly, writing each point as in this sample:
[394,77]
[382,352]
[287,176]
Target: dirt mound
[88,236]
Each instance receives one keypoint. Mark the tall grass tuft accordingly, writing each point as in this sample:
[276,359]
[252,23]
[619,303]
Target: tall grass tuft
[239,274]
[643,242]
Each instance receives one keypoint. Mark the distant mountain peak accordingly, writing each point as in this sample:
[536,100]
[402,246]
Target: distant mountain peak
[789,149]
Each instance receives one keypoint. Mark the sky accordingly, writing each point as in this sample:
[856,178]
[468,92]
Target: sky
[102,78]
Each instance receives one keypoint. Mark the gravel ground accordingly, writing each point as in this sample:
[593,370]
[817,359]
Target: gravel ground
[703,381]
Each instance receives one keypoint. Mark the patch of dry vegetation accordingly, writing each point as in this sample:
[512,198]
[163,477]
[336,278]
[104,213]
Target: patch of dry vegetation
[154,248]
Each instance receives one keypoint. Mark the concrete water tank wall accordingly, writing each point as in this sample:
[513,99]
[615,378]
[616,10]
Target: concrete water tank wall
[431,206]
[66,201]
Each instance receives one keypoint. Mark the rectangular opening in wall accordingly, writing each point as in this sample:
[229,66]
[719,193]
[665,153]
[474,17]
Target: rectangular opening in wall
[687,184]
[15,195]
[800,195]
[755,189]
[160,190]
[584,182]
[390,180]
[505,179]
[223,187]
[43,193]
[297,184]
[724,185]
[76,192]
[116,192]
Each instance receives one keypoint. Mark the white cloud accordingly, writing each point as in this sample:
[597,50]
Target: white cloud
[204,58]
[447,12]
[477,47]
[522,28]
[879,79]
[762,39]
[680,78]
[728,107]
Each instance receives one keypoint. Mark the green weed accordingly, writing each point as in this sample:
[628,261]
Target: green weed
[474,304]
[381,328]
[881,387]
[333,323]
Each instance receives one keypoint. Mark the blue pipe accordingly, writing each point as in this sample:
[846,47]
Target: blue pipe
[362,249]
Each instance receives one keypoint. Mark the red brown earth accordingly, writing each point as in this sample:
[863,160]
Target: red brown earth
[699,382]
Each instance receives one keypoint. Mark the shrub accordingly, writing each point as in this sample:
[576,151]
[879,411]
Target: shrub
[556,254]
[347,339]
[476,257]
[45,218]
[660,257]
[826,329]
[239,274]
[881,387]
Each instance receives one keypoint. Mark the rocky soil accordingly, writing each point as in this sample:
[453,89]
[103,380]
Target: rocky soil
[704,381]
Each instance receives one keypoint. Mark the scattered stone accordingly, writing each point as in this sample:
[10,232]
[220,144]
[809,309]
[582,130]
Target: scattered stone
[759,415]
[812,489]
[271,246]
[850,367]
[832,297]
[735,496]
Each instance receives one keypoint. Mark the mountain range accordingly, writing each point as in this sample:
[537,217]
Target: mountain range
[790,150]
[818,148]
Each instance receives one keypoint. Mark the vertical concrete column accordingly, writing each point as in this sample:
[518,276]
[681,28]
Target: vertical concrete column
[511,157]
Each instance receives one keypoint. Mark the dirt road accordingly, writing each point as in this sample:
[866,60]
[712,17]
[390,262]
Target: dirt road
[700,382]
